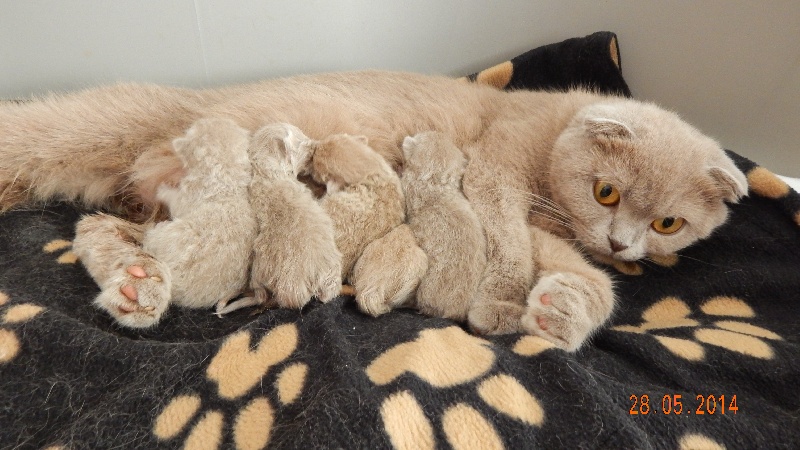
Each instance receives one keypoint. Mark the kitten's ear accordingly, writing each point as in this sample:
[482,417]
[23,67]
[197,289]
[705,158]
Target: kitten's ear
[732,183]
[409,143]
[609,128]
[294,138]
[362,139]
[301,156]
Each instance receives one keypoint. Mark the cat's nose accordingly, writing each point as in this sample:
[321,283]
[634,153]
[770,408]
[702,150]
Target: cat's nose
[616,247]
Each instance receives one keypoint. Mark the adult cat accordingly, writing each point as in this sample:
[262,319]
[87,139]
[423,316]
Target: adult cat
[626,179]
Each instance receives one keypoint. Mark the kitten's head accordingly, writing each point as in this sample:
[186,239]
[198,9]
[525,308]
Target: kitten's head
[214,145]
[343,159]
[638,181]
[432,157]
[279,148]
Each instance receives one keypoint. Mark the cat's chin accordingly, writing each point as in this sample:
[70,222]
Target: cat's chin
[610,259]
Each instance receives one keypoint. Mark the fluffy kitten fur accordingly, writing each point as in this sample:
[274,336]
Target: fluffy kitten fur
[187,260]
[388,272]
[295,254]
[533,158]
[444,224]
[364,198]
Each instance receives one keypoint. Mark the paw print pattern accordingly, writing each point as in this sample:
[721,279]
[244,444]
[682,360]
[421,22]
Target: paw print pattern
[236,370]
[445,358]
[714,327]
[696,441]
[67,257]
[10,346]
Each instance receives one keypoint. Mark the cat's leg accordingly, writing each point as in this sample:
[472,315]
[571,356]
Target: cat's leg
[571,299]
[135,287]
[388,272]
[499,302]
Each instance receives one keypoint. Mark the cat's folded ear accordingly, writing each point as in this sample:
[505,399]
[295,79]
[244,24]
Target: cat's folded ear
[607,128]
[730,181]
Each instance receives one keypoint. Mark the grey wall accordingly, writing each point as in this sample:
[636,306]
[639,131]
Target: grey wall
[730,67]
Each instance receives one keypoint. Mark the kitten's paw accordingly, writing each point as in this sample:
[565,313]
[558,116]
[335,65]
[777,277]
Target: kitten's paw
[137,295]
[329,285]
[564,308]
[373,302]
[388,272]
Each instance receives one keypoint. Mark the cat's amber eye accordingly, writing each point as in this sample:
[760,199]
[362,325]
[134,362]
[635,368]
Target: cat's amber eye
[605,193]
[668,225]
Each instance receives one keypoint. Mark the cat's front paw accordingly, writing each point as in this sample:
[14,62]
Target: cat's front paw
[137,295]
[565,308]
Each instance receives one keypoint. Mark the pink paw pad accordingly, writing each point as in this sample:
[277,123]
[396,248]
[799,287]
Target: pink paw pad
[136,271]
[129,292]
[542,323]
[545,299]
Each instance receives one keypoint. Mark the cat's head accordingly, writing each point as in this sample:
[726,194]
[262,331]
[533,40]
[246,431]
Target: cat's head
[639,181]
[432,157]
[214,145]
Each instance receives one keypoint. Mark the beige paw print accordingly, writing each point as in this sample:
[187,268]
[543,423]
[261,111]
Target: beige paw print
[67,257]
[713,328]
[10,345]
[696,441]
[236,369]
[444,358]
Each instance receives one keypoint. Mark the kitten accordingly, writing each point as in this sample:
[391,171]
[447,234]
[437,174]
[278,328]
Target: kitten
[364,198]
[196,259]
[295,255]
[557,160]
[207,243]
[444,225]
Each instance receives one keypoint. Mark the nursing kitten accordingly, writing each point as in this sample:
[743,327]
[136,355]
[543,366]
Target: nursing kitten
[207,242]
[624,178]
[197,258]
[444,225]
[294,255]
[363,199]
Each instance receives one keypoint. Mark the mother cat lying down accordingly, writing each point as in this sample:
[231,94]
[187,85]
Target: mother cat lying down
[622,179]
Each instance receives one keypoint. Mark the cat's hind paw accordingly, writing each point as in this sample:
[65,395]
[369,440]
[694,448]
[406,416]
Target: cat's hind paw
[560,310]
[137,296]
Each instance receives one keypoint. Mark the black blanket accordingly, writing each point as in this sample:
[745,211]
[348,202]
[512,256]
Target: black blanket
[702,352]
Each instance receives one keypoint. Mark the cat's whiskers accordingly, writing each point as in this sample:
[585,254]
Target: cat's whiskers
[558,214]
[557,220]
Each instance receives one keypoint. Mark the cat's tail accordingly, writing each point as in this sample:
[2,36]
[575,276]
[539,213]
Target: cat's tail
[82,146]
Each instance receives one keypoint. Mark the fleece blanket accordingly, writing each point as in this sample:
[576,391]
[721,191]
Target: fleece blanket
[702,352]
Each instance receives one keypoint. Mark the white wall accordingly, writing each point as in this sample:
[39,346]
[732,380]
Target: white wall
[730,67]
